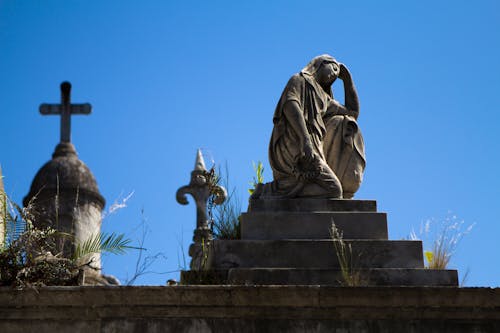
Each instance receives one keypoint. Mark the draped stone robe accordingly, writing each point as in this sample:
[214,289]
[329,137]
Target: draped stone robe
[336,141]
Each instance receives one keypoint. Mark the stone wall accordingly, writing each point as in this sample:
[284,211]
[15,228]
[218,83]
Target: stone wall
[250,309]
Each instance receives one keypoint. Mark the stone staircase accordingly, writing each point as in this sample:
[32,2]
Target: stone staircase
[288,242]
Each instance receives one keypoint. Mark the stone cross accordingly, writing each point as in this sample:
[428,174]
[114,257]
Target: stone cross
[65,110]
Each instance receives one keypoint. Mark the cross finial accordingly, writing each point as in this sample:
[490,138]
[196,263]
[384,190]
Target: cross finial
[65,110]
[199,164]
[201,187]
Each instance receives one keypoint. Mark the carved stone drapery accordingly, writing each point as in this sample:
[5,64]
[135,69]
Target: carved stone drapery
[316,148]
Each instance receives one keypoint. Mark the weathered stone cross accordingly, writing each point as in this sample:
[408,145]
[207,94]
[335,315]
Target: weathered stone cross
[65,109]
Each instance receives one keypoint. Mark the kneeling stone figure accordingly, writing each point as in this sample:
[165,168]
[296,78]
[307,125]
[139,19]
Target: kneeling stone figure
[316,147]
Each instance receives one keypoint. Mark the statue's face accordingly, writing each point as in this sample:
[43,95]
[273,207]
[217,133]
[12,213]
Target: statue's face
[327,73]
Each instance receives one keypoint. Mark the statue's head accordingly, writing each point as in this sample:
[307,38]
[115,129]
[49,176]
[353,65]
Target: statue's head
[324,68]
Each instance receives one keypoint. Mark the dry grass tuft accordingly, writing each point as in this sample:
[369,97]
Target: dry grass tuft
[351,276]
[441,239]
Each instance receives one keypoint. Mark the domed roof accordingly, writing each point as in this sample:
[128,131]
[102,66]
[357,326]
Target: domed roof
[64,173]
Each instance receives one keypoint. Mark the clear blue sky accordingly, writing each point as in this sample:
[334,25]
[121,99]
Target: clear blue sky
[168,77]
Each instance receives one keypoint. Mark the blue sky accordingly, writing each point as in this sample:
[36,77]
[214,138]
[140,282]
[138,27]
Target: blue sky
[168,77]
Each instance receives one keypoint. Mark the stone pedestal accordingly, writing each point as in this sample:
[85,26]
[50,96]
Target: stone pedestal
[288,242]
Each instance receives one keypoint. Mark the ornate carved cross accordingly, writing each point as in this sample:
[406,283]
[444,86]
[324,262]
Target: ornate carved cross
[65,110]
[201,187]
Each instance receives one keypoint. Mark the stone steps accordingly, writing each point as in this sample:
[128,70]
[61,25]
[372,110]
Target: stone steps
[312,225]
[361,277]
[314,253]
[288,242]
[312,205]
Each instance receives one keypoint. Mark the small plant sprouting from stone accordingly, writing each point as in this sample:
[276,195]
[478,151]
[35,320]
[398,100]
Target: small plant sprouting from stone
[258,178]
[27,257]
[204,251]
[351,276]
[225,217]
[441,239]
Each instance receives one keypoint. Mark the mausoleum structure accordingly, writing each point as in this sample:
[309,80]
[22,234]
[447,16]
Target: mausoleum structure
[64,193]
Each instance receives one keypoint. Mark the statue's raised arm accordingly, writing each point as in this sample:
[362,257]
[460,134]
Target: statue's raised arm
[343,143]
[351,107]
[316,148]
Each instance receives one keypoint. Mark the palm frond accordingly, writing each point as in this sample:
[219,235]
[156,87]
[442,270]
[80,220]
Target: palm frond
[103,242]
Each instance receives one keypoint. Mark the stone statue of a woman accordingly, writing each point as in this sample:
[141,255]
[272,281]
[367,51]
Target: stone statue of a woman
[316,148]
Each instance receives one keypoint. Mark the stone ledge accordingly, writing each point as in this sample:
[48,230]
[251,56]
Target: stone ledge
[315,253]
[312,225]
[333,277]
[321,276]
[228,295]
[248,296]
[312,205]
[250,309]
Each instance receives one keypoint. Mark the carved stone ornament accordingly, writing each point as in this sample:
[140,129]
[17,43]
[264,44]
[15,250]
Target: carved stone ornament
[201,188]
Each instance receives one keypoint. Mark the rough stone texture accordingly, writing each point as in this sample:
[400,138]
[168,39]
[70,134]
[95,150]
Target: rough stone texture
[87,224]
[322,276]
[299,225]
[64,196]
[65,171]
[311,205]
[315,254]
[333,277]
[250,309]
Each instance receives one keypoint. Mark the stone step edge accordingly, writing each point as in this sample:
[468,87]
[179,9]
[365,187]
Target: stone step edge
[312,204]
[314,240]
[449,277]
[316,212]
[359,277]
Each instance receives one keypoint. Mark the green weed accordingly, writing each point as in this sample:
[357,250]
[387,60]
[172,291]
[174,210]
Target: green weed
[259,176]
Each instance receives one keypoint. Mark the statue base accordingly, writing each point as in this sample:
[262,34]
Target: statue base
[289,242]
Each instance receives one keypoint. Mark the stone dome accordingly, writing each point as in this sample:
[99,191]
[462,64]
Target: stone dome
[64,173]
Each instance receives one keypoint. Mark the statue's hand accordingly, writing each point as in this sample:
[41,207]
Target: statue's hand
[344,72]
[308,165]
[308,154]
